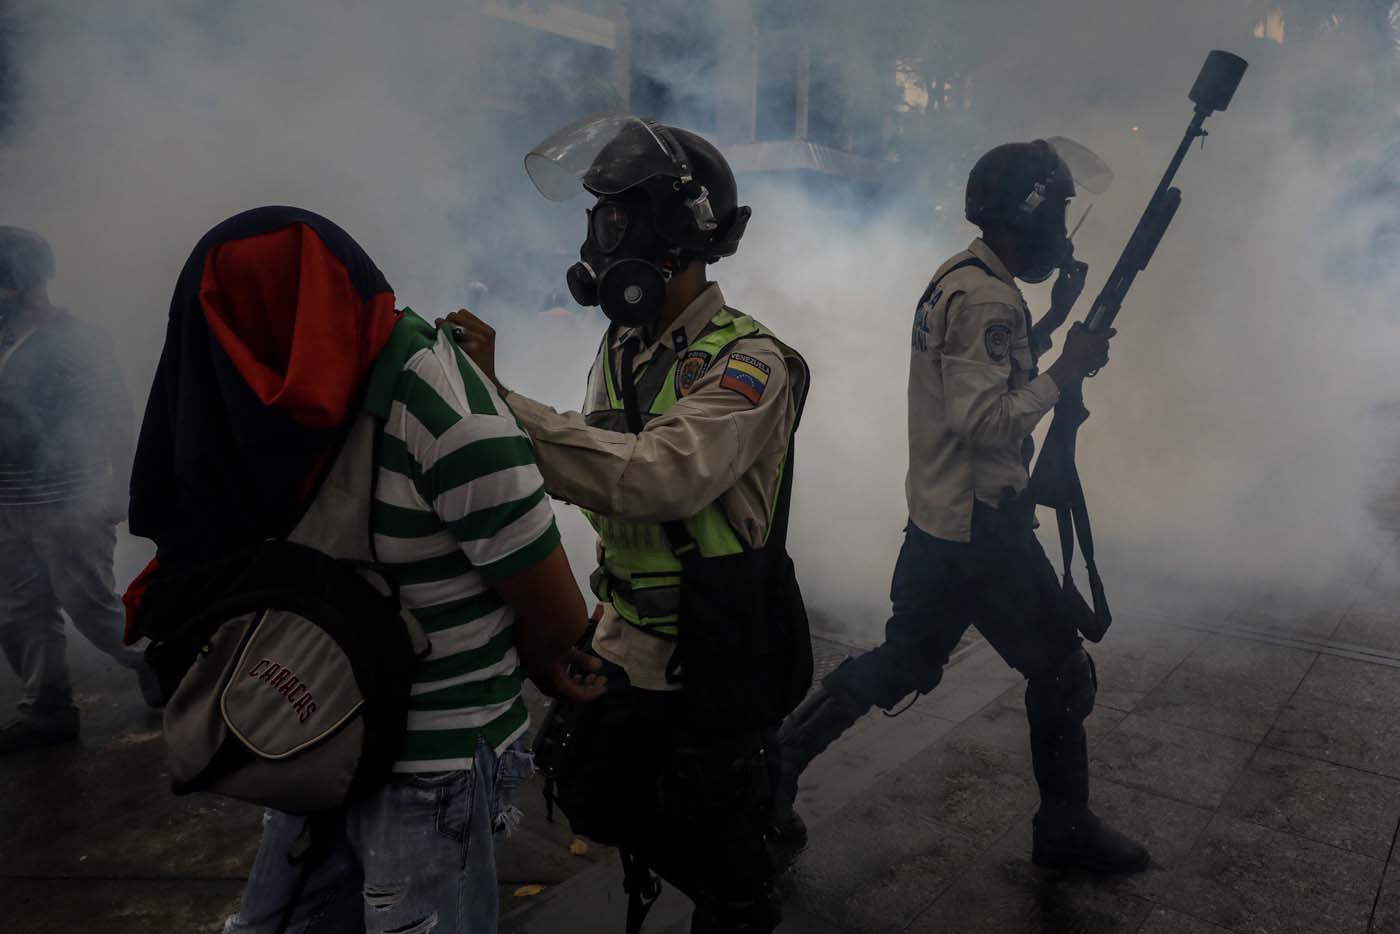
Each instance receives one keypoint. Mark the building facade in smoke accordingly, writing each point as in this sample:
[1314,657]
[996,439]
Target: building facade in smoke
[1351,89]
[889,108]
[781,99]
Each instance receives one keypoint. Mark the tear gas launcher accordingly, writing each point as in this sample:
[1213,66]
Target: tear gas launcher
[1055,481]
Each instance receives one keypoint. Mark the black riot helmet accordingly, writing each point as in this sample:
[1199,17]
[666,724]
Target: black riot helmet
[665,196]
[1025,186]
[26,259]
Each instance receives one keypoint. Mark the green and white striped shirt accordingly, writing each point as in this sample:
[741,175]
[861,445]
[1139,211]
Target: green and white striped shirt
[459,503]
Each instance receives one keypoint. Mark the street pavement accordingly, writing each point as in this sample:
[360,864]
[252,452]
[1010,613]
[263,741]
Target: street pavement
[1247,736]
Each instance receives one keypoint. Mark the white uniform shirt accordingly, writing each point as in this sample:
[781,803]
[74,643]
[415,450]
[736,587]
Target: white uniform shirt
[714,444]
[973,395]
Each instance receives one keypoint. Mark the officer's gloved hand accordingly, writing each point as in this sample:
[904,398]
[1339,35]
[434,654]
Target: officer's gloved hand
[1084,352]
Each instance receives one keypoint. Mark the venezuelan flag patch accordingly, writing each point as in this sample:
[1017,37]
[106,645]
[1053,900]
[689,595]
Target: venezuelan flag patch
[746,376]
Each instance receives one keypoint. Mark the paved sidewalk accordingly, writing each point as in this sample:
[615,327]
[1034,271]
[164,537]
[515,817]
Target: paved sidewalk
[92,831]
[1249,738]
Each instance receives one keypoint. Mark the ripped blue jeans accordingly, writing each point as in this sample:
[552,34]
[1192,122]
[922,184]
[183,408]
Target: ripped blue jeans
[417,857]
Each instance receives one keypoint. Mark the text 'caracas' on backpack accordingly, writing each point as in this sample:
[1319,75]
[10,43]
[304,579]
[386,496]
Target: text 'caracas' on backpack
[288,664]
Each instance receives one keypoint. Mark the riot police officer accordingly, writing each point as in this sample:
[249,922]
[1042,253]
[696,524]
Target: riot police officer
[681,460]
[65,456]
[970,554]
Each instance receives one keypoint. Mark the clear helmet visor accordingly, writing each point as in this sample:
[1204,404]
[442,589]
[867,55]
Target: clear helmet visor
[1088,171]
[605,154]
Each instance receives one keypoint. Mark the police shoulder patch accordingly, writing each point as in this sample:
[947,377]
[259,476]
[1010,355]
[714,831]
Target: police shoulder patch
[746,375]
[691,367]
[998,340]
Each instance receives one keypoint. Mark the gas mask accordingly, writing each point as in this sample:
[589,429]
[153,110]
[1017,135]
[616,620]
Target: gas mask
[624,264]
[1044,242]
[663,193]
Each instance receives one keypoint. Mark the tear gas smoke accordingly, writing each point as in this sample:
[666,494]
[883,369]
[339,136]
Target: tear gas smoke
[1232,435]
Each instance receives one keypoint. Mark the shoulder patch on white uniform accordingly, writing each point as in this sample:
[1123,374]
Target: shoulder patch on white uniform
[748,376]
[998,340]
[692,367]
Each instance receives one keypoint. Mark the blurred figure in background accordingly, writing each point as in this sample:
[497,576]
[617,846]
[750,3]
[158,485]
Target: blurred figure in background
[65,460]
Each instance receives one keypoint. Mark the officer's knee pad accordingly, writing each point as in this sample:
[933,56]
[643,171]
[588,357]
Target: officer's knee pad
[1078,684]
[1067,692]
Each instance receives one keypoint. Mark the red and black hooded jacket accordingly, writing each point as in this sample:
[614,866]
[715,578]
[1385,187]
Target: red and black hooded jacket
[277,318]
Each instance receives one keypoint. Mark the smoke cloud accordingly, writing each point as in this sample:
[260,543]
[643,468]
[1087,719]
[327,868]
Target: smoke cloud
[1236,436]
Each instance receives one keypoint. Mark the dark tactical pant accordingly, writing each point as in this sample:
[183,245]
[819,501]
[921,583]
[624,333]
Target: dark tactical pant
[1002,583]
[693,804]
[54,559]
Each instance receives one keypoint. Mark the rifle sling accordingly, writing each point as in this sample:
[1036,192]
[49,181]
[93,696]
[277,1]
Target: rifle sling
[1072,521]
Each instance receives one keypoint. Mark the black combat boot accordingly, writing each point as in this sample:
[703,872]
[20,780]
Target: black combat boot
[1083,841]
[816,723]
[787,832]
[1067,833]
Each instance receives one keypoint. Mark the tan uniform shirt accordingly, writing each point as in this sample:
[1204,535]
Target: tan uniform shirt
[713,444]
[973,395]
